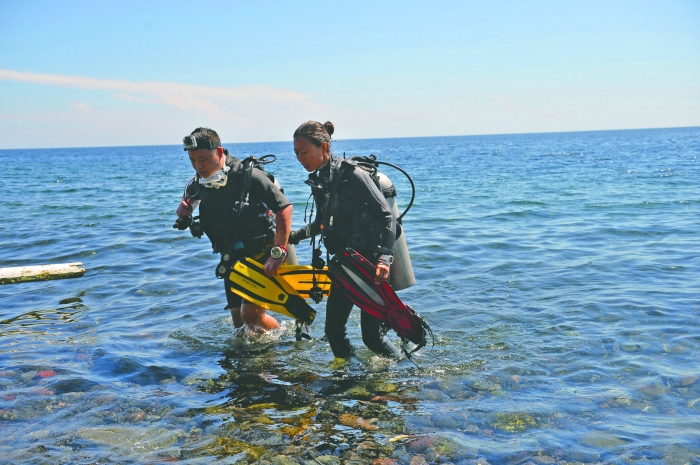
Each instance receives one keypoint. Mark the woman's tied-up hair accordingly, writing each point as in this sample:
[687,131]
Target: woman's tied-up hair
[316,132]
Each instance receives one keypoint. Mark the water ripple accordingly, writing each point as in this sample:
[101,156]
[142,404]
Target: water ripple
[559,273]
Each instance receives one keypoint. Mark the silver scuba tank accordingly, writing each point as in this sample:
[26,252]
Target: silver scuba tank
[291,256]
[401,272]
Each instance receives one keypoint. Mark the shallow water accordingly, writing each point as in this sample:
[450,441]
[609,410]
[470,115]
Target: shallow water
[560,274]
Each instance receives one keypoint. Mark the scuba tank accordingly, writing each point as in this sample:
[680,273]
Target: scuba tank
[291,256]
[401,274]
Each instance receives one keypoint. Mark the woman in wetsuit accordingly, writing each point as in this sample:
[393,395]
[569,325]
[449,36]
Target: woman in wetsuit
[358,216]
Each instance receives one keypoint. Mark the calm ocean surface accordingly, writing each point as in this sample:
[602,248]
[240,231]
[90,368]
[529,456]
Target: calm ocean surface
[560,274]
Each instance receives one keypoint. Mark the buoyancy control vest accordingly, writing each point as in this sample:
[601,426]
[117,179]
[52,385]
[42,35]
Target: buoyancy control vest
[348,221]
[231,214]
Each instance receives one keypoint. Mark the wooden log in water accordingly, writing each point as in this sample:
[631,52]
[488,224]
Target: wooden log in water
[22,274]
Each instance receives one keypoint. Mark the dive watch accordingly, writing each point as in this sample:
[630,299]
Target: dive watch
[278,251]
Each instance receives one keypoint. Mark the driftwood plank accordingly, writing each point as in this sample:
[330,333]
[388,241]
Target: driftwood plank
[22,274]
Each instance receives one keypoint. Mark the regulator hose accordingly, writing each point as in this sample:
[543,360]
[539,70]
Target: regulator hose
[363,160]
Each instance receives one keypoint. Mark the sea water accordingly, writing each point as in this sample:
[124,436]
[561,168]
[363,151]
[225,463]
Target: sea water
[560,274]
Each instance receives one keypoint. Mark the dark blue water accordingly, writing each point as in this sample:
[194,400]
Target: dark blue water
[560,274]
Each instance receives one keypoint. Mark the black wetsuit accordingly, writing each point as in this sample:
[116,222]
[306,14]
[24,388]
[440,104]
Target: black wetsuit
[361,219]
[254,227]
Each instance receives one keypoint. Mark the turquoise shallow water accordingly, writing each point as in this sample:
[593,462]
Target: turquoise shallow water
[560,274]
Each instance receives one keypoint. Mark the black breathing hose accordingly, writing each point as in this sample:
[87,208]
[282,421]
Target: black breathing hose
[360,160]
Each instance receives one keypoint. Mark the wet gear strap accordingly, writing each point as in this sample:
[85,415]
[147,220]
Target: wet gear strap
[248,165]
[199,142]
[243,200]
[298,334]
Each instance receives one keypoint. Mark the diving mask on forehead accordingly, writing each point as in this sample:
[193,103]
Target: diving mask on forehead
[217,179]
[198,141]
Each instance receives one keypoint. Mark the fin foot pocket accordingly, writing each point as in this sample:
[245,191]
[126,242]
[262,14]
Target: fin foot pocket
[354,274]
[273,293]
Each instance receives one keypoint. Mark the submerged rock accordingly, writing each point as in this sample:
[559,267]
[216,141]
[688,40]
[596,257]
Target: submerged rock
[383,387]
[283,460]
[679,454]
[633,347]
[514,422]
[453,446]
[73,385]
[433,395]
[418,460]
[358,391]
[602,440]
[263,419]
[447,420]
[650,409]
[485,385]
[259,437]
[681,347]
[694,404]
[580,456]
[131,439]
[456,389]
[327,460]
[655,389]
[231,446]
[28,375]
[542,459]
[353,421]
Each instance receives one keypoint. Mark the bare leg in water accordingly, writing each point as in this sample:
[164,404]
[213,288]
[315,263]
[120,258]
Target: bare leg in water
[252,318]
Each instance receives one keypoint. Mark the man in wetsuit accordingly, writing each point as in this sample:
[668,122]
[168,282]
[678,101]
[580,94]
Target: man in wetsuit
[238,223]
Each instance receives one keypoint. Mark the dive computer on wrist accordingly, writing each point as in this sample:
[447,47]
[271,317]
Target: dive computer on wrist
[278,251]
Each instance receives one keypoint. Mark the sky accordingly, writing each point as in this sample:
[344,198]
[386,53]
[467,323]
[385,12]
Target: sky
[124,73]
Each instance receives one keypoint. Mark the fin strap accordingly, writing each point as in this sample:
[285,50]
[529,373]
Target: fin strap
[297,331]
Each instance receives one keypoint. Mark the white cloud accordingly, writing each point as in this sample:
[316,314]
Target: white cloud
[82,107]
[167,110]
[105,112]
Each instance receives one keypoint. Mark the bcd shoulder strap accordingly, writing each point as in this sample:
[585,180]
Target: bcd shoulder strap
[244,197]
[248,164]
[338,170]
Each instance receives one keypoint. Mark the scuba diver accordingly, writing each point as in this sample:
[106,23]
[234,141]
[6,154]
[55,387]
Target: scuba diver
[236,200]
[353,214]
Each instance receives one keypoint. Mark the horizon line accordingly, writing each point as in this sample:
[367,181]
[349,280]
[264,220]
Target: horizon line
[366,138]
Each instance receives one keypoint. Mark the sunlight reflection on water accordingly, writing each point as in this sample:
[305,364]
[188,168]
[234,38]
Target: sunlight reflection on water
[558,271]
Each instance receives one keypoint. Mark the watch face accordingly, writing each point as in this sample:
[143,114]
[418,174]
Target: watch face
[276,252]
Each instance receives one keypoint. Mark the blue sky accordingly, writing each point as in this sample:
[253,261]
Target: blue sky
[87,73]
